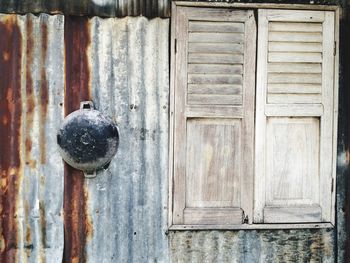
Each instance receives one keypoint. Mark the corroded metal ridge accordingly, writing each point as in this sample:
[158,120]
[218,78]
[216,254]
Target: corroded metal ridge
[104,8]
[10,130]
[77,89]
[31,66]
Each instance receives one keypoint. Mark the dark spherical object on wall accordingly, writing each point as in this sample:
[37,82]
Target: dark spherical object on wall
[87,139]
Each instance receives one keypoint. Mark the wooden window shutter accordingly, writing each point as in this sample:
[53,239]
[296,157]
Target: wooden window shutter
[294,117]
[213,115]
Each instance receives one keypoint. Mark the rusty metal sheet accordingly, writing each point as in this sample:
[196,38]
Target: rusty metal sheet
[120,8]
[77,89]
[10,129]
[122,65]
[50,213]
[104,8]
[130,82]
[253,246]
[31,87]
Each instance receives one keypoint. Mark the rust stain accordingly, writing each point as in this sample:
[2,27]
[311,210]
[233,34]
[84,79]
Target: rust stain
[6,56]
[29,95]
[44,95]
[10,130]
[43,230]
[28,245]
[29,91]
[347,156]
[77,88]
[43,224]
[88,221]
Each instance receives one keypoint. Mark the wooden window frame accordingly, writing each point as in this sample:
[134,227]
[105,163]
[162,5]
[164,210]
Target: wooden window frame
[250,6]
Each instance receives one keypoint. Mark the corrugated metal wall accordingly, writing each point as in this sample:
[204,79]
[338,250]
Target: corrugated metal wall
[31,87]
[253,246]
[130,81]
[119,8]
[48,211]
[105,8]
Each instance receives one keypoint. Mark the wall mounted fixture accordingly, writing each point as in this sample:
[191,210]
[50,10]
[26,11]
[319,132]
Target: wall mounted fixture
[87,139]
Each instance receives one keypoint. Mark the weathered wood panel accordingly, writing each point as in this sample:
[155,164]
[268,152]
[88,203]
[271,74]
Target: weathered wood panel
[292,171]
[291,150]
[213,163]
[213,152]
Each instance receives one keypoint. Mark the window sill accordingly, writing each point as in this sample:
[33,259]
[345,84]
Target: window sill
[251,227]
